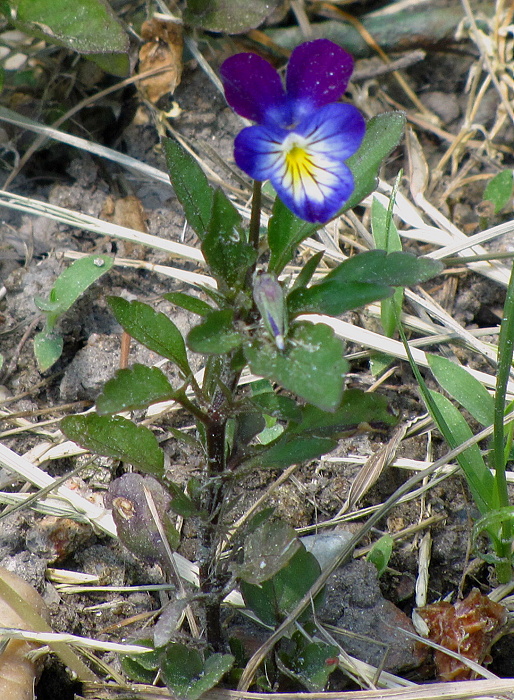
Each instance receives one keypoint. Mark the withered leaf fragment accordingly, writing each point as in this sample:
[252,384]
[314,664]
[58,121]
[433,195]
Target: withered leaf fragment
[162,49]
[468,627]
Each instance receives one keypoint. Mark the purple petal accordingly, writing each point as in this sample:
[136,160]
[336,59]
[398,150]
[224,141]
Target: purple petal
[252,86]
[317,74]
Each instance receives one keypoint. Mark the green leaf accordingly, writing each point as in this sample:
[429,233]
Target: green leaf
[464,388]
[499,189]
[136,387]
[312,366]
[215,335]
[151,328]
[181,504]
[275,598]
[380,553]
[186,674]
[386,237]
[267,550]
[88,26]
[118,438]
[360,280]
[72,283]
[189,303]
[334,297]
[278,406]
[396,269]
[47,349]
[383,134]
[191,186]
[289,450]
[456,431]
[226,251]
[385,233]
[285,232]
[307,271]
[356,407]
[310,663]
[228,16]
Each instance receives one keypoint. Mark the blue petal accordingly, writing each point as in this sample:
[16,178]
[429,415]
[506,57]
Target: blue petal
[336,130]
[253,88]
[317,74]
[257,151]
[314,183]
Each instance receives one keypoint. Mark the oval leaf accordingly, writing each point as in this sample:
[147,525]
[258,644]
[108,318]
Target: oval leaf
[228,16]
[151,328]
[267,550]
[334,297]
[47,349]
[88,26]
[396,269]
[191,186]
[118,438]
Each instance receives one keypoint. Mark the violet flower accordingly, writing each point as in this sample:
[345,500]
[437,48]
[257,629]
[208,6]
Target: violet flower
[303,135]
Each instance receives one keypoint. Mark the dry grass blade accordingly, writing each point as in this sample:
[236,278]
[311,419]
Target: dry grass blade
[463,690]
[372,469]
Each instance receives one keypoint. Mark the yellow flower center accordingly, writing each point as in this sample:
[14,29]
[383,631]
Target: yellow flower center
[299,162]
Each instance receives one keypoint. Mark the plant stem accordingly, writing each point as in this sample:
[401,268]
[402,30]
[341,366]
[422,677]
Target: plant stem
[505,352]
[209,583]
[255,217]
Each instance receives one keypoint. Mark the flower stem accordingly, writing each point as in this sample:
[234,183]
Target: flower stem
[255,218]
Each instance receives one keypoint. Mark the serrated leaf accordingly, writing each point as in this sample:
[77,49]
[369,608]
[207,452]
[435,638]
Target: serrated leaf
[499,189]
[132,388]
[383,134]
[189,303]
[89,26]
[285,233]
[191,186]
[464,388]
[151,328]
[47,349]
[225,248]
[187,675]
[312,365]
[267,550]
[228,16]
[334,297]
[215,335]
[116,437]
